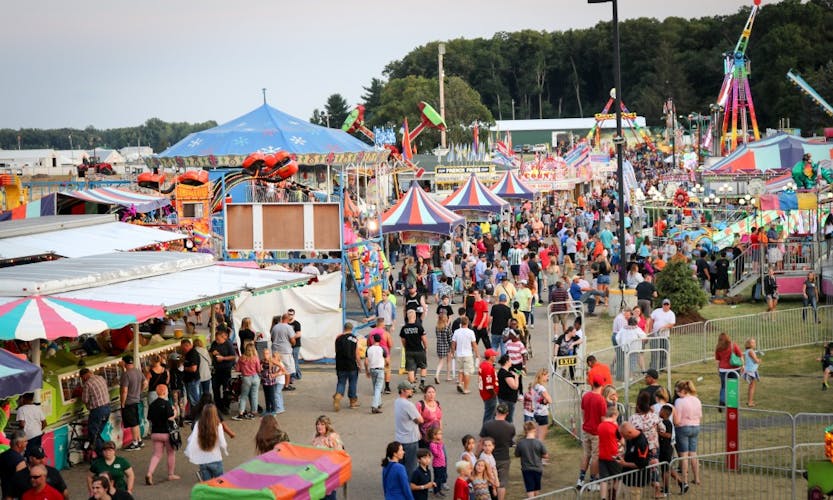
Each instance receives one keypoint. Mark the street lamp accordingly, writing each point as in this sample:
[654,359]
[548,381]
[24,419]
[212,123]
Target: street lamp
[619,141]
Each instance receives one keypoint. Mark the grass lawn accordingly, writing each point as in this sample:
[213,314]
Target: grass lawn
[790,384]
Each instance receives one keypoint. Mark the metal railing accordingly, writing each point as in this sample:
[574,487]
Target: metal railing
[637,483]
[566,403]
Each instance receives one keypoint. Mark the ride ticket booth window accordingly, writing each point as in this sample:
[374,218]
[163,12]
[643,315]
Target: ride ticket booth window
[192,210]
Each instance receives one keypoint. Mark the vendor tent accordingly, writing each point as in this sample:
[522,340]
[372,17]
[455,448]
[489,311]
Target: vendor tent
[417,211]
[266,129]
[778,152]
[90,201]
[510,186]
[473,195]
[40,317]
[288,472]
[17,376]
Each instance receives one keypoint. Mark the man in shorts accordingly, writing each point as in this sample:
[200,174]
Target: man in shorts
[415,344]
[283,338]
[464,346]
[132,385]
[593,407]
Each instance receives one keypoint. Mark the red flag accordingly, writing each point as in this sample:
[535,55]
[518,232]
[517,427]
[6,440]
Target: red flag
[407,155]
[476,138]
[509,141]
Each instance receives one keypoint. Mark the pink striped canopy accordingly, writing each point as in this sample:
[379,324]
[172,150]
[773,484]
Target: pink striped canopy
[510,186]
[112,196]
[416,211]
[473,195]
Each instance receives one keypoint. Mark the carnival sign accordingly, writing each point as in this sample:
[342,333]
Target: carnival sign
[420,238]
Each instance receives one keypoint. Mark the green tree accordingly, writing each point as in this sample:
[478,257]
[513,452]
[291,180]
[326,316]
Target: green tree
[677,283]
[372,97]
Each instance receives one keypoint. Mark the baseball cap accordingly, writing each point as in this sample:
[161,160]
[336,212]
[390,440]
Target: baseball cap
[523,282]
[490,352]
[505,278]
[666,301]
[405,385]
[128,359]
[652,373]
[37,453]
[108,445]
[502,297]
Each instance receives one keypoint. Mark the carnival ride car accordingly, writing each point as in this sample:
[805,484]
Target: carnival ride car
[94,164]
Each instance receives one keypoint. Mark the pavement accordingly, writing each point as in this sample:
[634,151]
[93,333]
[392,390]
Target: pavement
[365,435]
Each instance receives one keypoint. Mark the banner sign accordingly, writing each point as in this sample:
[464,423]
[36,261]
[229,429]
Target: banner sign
[602,163]
[420,238]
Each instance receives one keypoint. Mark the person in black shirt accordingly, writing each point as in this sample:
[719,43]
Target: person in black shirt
[421,481]
[413,340]
[646,292]
[191,373]
[11,462]
[347,367]
[296,349]
[501,314]
[637,456]
[222,352]
[445,306]
[507,385]
[415,301]
[703,273]
[246,334]
[53,476]
[160,415]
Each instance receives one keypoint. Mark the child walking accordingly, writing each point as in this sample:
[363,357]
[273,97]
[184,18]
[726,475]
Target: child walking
[532,453]
[750,370]
[666,447]
[480,482]
[437,448]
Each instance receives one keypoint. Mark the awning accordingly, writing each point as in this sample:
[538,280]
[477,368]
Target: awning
[143,203]
[85,241]
[17,376]
[194,287]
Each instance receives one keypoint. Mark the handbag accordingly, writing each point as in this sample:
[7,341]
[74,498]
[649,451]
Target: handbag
[734,359]
[174,436]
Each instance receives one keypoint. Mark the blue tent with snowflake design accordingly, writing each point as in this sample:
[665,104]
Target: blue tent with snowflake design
[266,129]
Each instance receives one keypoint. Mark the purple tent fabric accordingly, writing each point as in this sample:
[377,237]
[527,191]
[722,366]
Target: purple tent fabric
[17,376]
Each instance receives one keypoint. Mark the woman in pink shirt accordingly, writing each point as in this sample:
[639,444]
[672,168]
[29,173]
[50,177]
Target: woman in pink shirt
[249,367]
[687,414]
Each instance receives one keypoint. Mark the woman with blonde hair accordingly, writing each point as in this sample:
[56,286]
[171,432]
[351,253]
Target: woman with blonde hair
[207,444]
[272,376]
[269,435]
[541,402]
[325,435]
[688,410]
[249,367]
[569,267]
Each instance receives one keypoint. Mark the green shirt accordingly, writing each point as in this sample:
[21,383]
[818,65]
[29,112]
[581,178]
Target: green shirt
[524,298]
[116,470]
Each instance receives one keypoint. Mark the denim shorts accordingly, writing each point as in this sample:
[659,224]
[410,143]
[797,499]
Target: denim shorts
[687,438]
[603,279]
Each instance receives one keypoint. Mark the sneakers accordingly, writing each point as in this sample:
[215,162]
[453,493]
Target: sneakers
[579,484]
[375,410]
[825,386]
[249,415]
[239,416]
[132,447]
[387,390]
[289,387]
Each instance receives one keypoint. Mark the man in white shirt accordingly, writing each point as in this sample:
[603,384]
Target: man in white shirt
[661,323]
[310,268]
[374,367]
[448,267]
[387,310]
[30,418]
[464,346]
[630,340]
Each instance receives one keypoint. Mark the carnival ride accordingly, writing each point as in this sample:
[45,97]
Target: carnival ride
[735,98]
[806,173]
[155,180]
[12,192]
[809,91]
[638,132]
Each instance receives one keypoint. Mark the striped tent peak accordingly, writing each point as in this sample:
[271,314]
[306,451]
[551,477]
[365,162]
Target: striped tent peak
[473,195]
[510,186]
[416,207]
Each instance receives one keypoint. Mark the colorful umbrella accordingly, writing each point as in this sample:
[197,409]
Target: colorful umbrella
[40,317]
[17,376]
[510,186]
[473,195]
[779,152]
[416,211]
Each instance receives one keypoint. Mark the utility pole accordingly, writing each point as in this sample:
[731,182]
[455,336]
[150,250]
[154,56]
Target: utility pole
[441,78]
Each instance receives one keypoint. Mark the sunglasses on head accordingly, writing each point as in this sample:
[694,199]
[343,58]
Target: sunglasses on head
[35,477]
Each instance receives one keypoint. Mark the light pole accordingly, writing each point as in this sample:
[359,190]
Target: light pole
[326,117]
[441,78]
[619,140]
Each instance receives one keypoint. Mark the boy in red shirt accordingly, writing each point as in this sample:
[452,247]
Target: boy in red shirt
[593,407]
[461,486]
[609,441]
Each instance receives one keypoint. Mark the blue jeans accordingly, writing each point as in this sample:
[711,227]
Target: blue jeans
[205,387]
[498,345]
[193,391]
[530,317]
[211,470]
[810,302]
[489,408]
[511,405]
[377,378]
[248,393]
[351,378]
[269,399]
[278,398]
[410,458]
[296,351]
[95,424]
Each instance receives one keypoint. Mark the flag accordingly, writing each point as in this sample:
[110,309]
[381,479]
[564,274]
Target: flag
[407,155]
[476,142]
[579,156]
[509,140]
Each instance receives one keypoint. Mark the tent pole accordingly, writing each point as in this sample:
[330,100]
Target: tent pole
[329,183]
[34,355]
[136,345]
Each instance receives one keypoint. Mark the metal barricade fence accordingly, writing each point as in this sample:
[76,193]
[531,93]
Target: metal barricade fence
[566,403]
[638,483]
[688,344]
[788,329]
[803,454]
[568,493]
[809,427]
[743,474]
[756,428]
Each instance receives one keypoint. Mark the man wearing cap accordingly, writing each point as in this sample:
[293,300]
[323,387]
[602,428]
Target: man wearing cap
[487,383]
[505,287]
[500,315]
[407,420]
[593,407]
[95,395]
[374,367]
[503,435]
[132,385]
[37,457]
[652,379]
[464,347]
[660,325]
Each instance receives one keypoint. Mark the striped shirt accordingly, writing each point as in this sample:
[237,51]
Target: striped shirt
[516,350]
[95,392]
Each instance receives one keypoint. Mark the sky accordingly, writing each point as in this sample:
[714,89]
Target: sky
[118,63]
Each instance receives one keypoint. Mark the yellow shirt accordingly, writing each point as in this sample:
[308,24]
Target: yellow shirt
[519,316]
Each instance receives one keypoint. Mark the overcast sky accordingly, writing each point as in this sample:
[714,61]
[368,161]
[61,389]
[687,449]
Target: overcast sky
[119,62]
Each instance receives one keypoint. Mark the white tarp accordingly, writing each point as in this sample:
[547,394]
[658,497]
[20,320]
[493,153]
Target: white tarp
[85,241]
[192,287]
[317,307]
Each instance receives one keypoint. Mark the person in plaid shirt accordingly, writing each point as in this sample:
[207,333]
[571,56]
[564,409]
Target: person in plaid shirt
[96,397]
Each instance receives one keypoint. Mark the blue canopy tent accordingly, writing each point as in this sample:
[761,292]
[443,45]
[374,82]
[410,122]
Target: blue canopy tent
[266,130]
[17,376]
